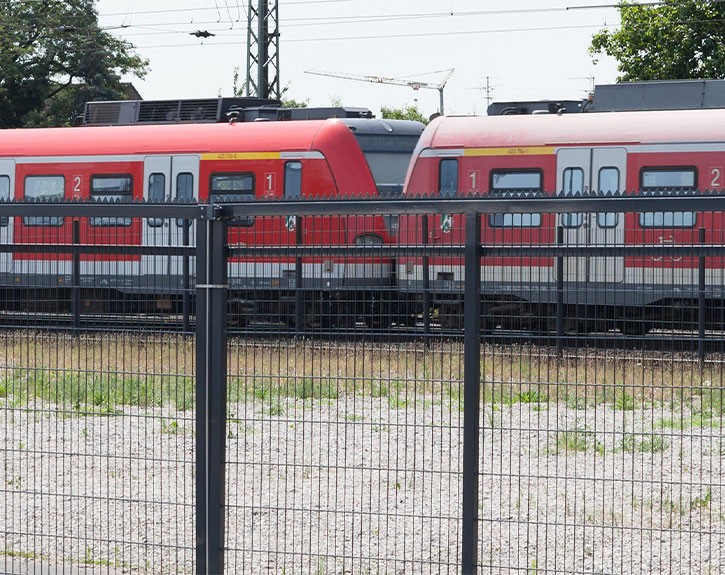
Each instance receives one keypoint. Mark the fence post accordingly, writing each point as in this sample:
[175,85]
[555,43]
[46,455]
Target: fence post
[211,389]
[186,271]
[76,281]
[426,280]
[559,292]
[701,303]
[471,393]
[299,282]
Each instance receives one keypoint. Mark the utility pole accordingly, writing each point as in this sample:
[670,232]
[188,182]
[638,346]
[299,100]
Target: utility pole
[488,89]
[263,50]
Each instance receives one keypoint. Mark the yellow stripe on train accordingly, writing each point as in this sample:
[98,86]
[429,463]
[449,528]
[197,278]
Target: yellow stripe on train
[242,156]
[534,151]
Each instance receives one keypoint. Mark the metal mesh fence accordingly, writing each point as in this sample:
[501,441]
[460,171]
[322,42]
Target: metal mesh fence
[97,408]
[344,457]
[354,391]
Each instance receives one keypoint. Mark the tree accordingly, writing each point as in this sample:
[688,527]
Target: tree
[678,39]
[407,113]
[54,58]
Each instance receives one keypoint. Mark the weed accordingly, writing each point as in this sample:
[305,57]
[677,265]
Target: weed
[575,440]
[652,444]
[378,389]
[684,422]
[397,402]
[310,388]
[701,502]
[623,401]
[171,428]
[530,396]
[274,409]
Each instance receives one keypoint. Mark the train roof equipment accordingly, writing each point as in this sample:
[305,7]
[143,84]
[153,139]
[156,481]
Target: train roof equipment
[626,97]
[206,110]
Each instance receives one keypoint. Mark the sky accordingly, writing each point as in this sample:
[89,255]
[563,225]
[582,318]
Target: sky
[500,50]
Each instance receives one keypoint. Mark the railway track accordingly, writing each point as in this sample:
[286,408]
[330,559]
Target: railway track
[685,341]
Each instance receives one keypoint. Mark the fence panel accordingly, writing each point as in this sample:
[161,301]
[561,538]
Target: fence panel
[97,417]
[344,446]
[368,425]
[602,395]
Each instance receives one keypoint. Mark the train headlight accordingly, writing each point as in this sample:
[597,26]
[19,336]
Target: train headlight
[368,240]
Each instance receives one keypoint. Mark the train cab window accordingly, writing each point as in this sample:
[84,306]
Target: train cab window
[110,189]
[292,180]
[515,184]
[608,186]
[448,178]
[184,194]
[43,189]
[227,188]
[668,181]
[388,155]
[572,185]
[4,196]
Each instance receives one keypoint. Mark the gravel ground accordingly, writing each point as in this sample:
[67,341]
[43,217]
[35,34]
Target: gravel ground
[367,485]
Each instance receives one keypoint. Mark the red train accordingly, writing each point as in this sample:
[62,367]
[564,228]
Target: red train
[602,154]
[606,154]
[226,162]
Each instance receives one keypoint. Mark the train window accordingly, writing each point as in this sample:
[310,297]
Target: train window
[157,193]
[226,188]
[4,196]
[43,189]
[448,180]
[572,185]
[388,156]
[184,194]
[666,181]
[292,180]
[110,189]
[608,186]
[515,184]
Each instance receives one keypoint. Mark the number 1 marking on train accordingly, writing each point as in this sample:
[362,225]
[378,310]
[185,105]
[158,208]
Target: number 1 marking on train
[269,187]
[473,180]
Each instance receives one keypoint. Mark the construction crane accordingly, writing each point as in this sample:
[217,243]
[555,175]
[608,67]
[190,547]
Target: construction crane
[415,84]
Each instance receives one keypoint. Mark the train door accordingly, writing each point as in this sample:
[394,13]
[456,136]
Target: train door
[586,172]
[184,188]
[7,185]
[168,178]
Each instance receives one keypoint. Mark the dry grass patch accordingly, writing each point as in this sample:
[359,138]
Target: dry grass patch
[110,370]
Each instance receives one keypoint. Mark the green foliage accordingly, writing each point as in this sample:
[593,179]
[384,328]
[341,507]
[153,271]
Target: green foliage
[292,103]
[674,40]
[406,113]
[54,58]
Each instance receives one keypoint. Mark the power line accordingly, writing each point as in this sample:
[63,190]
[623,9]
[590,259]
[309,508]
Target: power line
[397,36]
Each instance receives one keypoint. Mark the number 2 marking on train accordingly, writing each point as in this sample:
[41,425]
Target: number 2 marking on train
[716,177]
[77,186]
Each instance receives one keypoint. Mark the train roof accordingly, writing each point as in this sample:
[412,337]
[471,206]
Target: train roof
[172,138]
[384,126]
[611,128]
